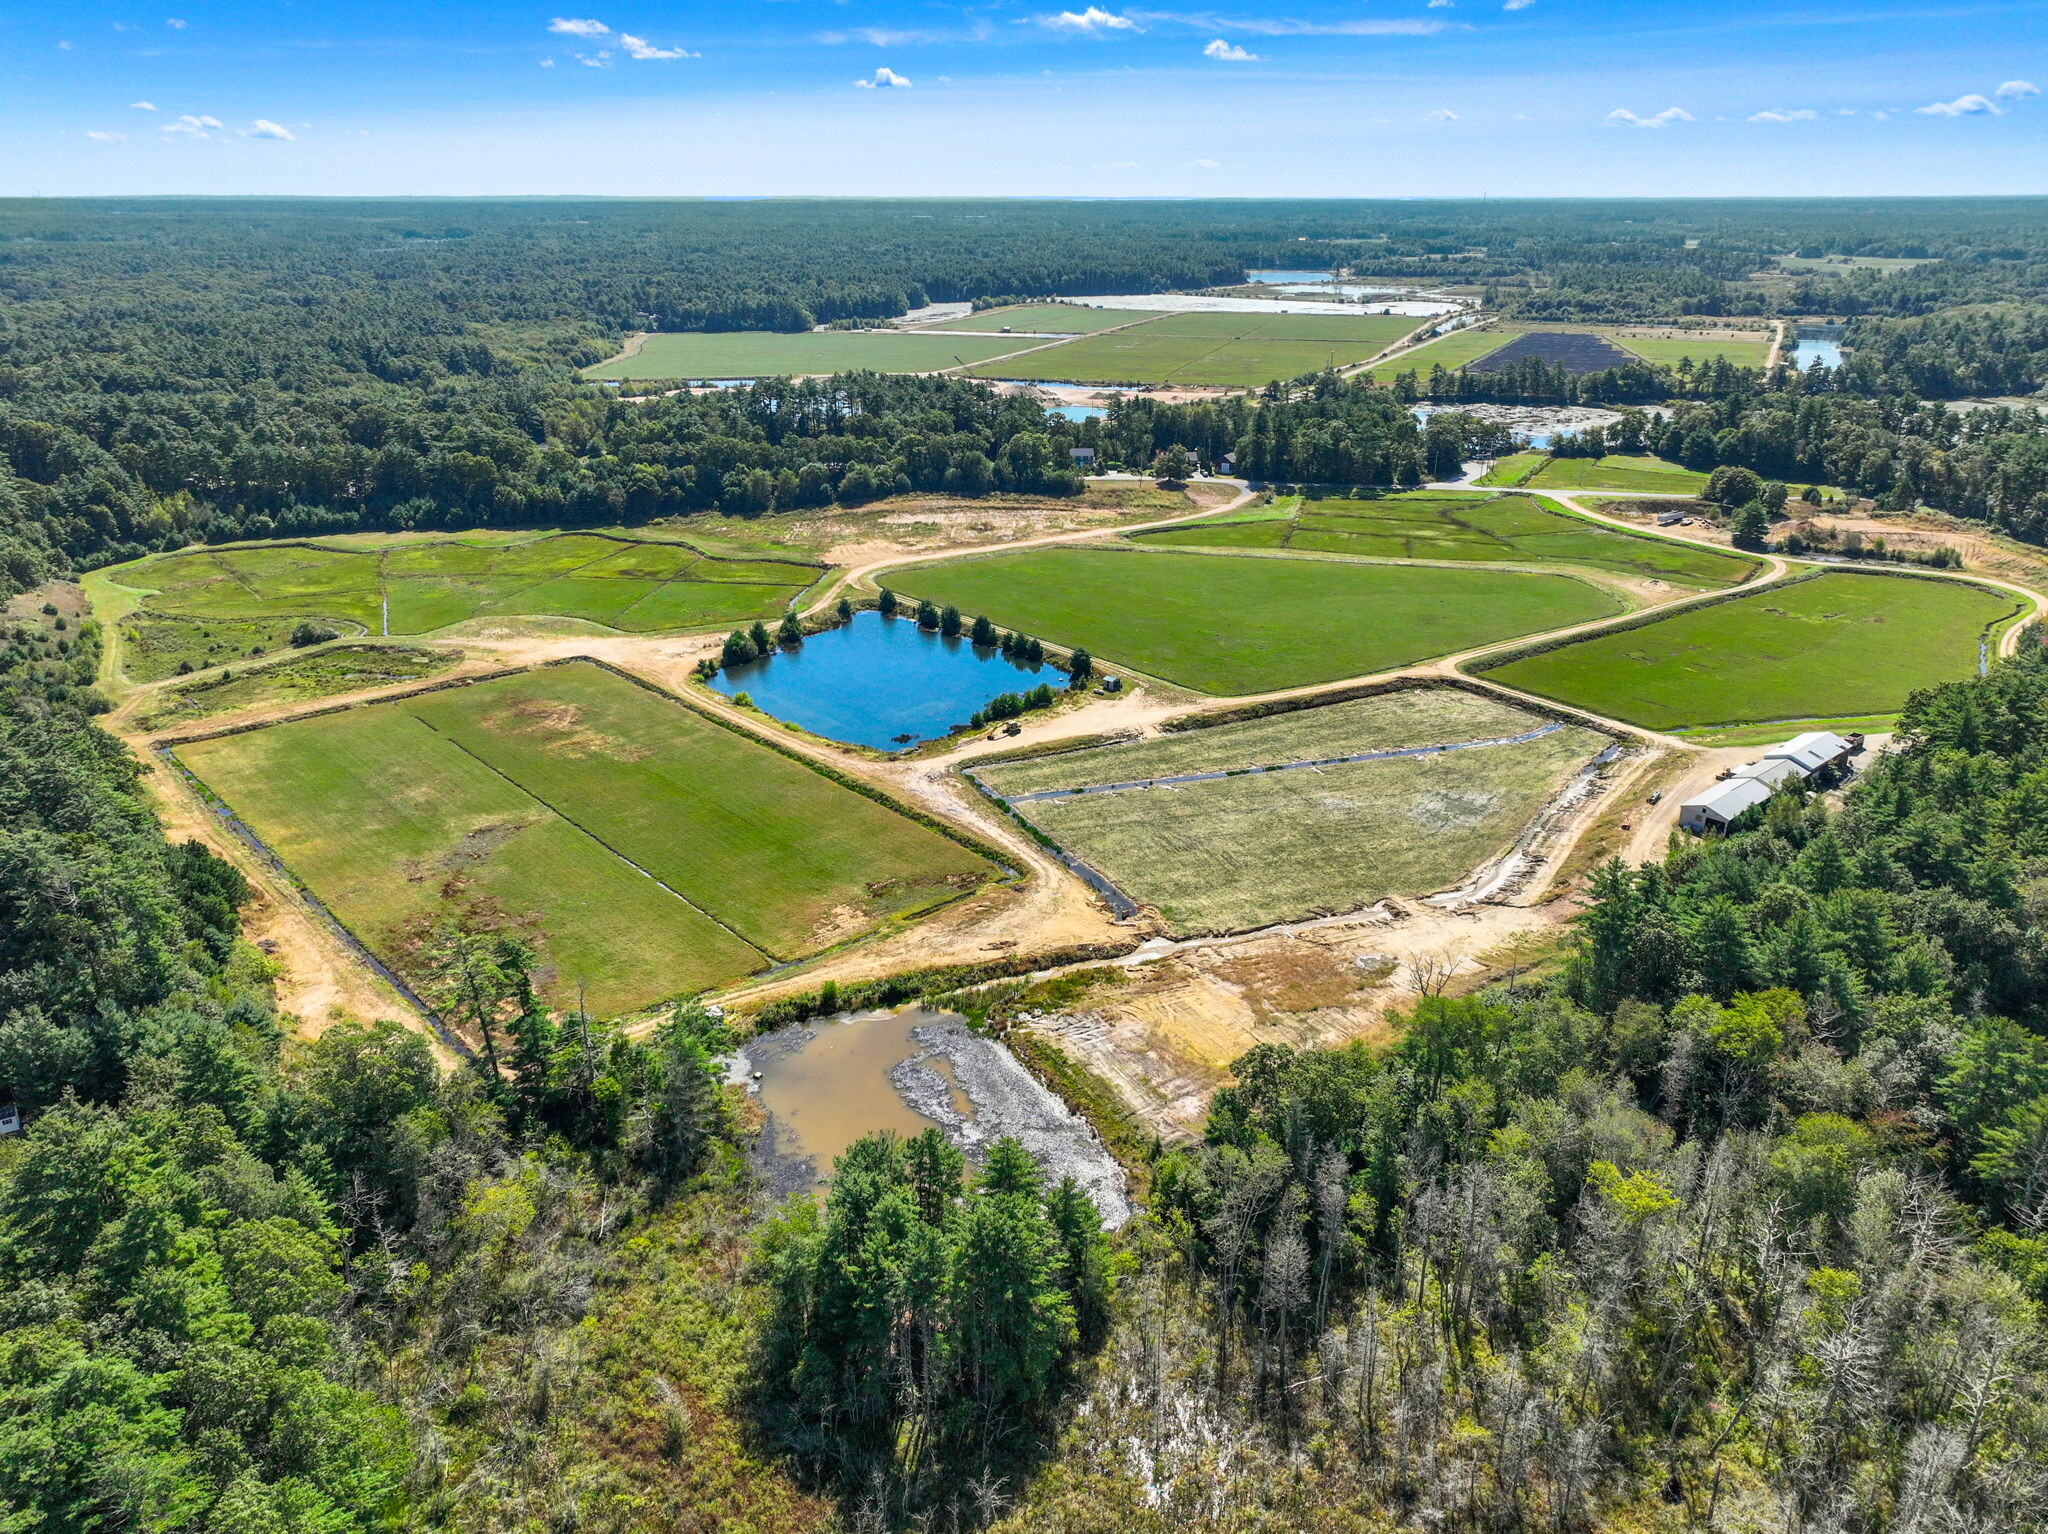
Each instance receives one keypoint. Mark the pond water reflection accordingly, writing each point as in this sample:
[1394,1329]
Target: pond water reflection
[880,682]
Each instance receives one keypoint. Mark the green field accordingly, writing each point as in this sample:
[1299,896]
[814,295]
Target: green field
[1501,529]
[1834,645]
[1669,351]
[417,587]
[1638,472]
[1418,716]
[573,796]
[1227,624]
[1221,350]
[1048,319]
[1451,351]
[1239,852]
[773,354]
[298,679]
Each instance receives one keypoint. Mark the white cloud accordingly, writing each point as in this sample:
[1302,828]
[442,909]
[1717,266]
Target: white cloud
[1441,5]
[1229,53]
[547,63]
[886,79]
[1622,116]
[1094,19]
[263,127]
[1516,5]
[1287,26]
[1442,115]
[1798,115]
[1963,106]
[65,46]
[196,126]
[175,23]
[2017,90]
[143,106]
[1883,117]
[99,137]
[602,59]
[641,48]
[1205,164]
[578,26]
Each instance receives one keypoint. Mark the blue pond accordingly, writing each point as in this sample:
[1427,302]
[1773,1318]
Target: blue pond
[1809,350]
[1290,276]
[876,680]
[1077,412]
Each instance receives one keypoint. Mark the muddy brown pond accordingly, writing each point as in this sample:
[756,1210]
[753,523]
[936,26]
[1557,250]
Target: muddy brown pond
[825,1083]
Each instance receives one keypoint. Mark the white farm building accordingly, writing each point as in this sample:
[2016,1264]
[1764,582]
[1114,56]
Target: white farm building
[1747,787]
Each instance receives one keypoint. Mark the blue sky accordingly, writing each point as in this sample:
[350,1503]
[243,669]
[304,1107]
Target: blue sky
[1317,98]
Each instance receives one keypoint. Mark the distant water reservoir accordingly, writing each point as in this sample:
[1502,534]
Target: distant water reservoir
[880,682]
[1818,343]
[1289,276]
[1078,412]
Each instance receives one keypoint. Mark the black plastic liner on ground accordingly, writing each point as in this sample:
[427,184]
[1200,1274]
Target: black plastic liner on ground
[1573,350]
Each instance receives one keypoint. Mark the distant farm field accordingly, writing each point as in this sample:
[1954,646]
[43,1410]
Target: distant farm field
[774,354]
[1048,319]
[1451,351]
[1502,529]
[1220,350]
[1247,850]
[1241,624]
[655,852]
[416,587]
[1835,645]
[1669,351]
[1639,472]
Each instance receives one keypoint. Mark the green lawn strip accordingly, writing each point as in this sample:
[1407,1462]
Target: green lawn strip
[1451,351]
[1504,529]
[1784,729]
[300,678]
[1228,624]
[385,821]
[703,604]
[780,853]
[1047,319]
[429,586]
[769,354]
[1386,722]
[1670,351]
[1352,330]
[1225,350]
[1638,472]
[1828,645]
[1242,852]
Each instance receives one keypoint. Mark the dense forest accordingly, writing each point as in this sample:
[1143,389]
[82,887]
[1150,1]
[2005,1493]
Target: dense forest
[222,370]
